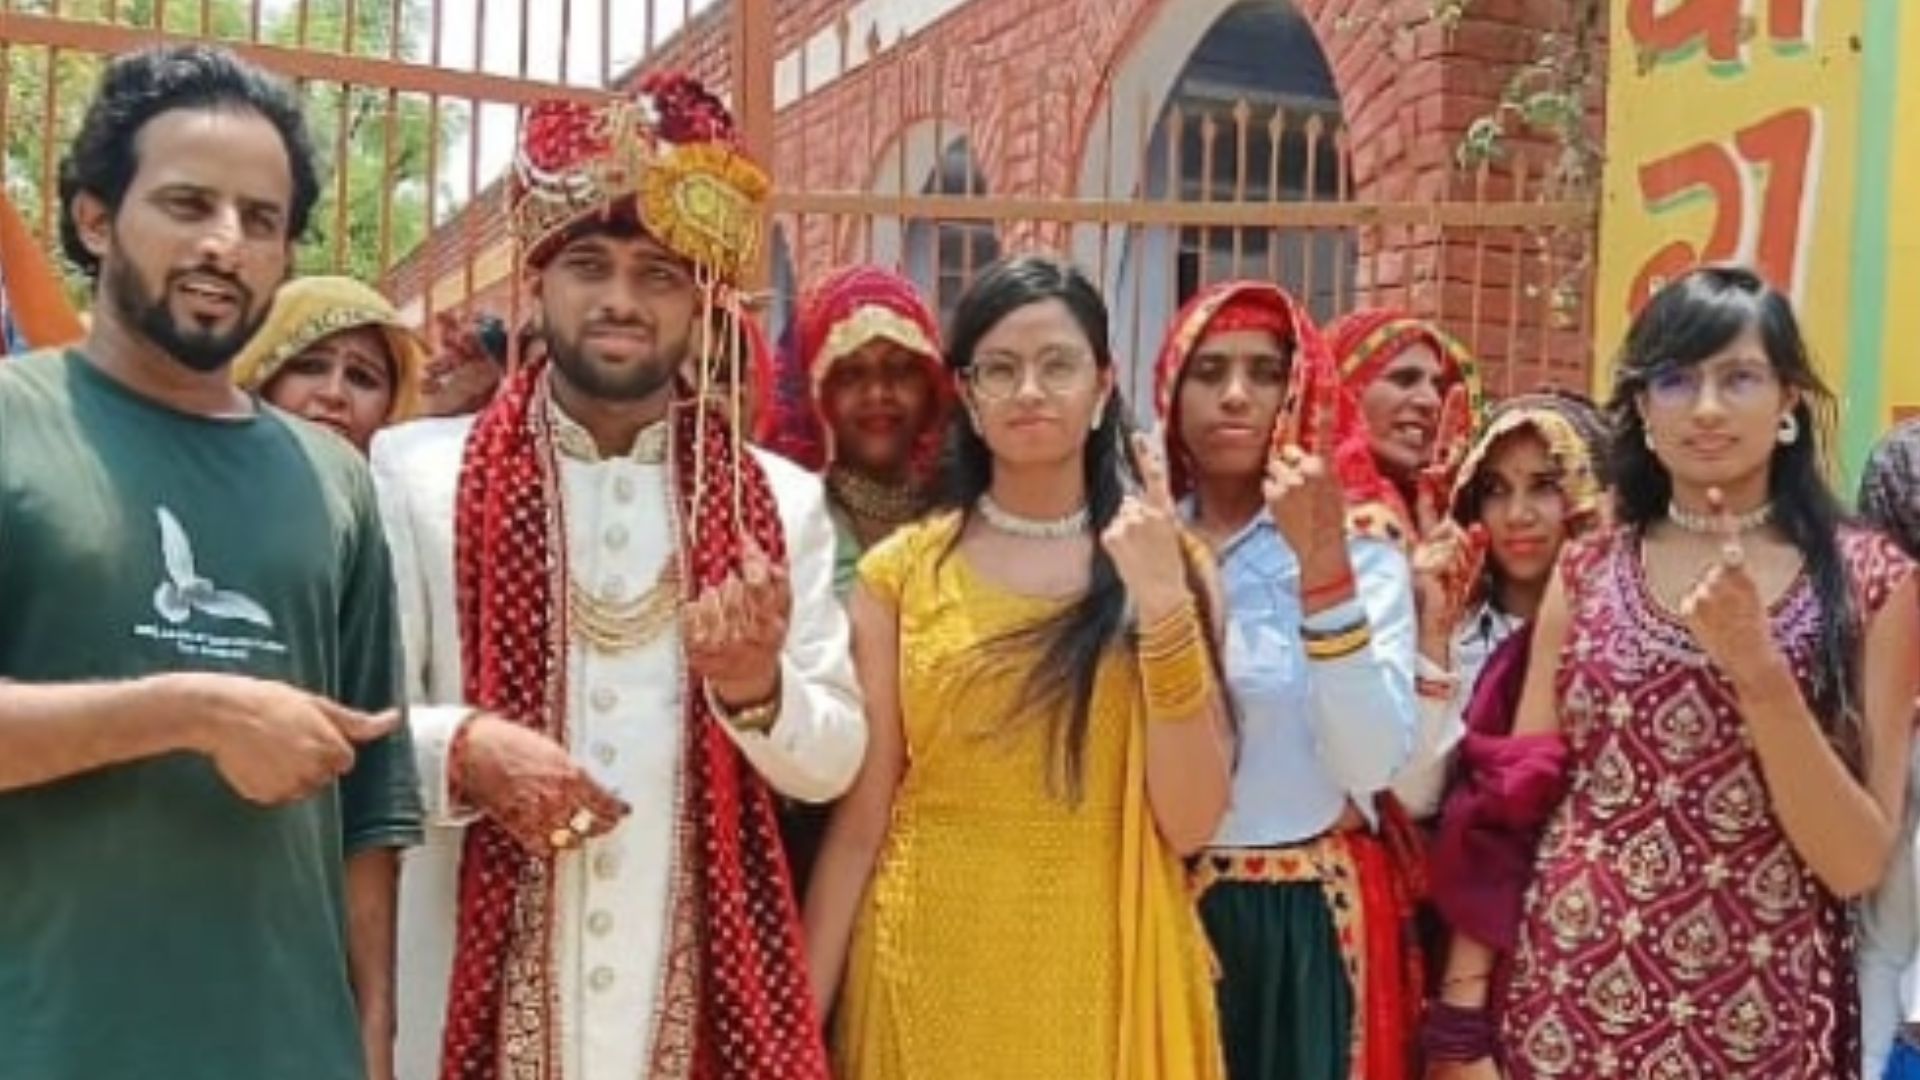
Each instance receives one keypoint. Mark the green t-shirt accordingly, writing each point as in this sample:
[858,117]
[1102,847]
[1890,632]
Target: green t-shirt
[152,923]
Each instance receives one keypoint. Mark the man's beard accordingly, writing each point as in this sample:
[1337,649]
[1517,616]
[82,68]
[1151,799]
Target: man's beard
[630,382]
[201,350]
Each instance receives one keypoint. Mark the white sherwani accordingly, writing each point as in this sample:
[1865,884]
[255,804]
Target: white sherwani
[624,724]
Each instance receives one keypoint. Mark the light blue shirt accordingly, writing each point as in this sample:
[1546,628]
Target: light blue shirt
[1423,780]
[1313,733]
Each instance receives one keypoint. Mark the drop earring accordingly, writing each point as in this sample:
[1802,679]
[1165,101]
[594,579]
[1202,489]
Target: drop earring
[1789,430]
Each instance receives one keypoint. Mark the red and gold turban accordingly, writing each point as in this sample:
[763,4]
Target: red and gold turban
[668,159]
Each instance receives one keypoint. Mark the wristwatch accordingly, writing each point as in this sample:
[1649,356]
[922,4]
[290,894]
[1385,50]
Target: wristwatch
[758,719]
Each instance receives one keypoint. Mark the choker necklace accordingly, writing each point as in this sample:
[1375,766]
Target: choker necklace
[875,501]
[1709,524]
[1002,520]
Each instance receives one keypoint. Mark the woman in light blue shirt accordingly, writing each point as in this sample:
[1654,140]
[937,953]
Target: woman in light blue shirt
[1302,899]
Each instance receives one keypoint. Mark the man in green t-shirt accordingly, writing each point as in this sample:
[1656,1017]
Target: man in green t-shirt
[203,779]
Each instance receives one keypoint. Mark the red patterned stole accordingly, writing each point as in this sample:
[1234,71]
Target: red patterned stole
[735,1003]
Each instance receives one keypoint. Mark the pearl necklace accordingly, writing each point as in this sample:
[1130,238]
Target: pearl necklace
[1710,524]
[1002,520]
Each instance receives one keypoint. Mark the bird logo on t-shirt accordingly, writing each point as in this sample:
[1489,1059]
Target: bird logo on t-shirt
[185,591]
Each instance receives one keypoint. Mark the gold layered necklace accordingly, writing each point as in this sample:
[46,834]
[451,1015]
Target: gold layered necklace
[616,626]
[874,501]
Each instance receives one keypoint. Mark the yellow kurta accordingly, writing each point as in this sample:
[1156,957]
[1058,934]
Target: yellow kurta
[1007,931]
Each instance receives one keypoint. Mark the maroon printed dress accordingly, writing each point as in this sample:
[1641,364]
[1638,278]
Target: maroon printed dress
[1671,931]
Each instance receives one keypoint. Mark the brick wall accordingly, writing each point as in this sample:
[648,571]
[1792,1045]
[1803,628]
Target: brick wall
[1026,78]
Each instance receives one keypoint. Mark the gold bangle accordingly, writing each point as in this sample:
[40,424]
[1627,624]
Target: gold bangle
[1171,618]
[1177,685]
[1168,650]
[753,719]
[1188,655]
[1183,710]
[1171,631]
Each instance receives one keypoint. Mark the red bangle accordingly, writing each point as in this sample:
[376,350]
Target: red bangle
[1335,589]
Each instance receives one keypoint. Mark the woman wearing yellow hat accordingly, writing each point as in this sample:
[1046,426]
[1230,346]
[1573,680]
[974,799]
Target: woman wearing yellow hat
[335,352]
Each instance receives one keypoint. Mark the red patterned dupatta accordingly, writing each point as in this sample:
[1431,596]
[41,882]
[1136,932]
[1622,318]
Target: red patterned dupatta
[1364,342]
[853,307]
[735,1004]
[1258,305]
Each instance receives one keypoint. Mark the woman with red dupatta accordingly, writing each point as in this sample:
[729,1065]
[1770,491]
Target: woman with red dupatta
[1303,902]
[1419,394]
[863,396]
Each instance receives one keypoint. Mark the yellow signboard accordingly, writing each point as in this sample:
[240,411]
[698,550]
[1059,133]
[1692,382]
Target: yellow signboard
[1777,133]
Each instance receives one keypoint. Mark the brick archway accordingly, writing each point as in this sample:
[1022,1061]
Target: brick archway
[1123,156]
[1141,69]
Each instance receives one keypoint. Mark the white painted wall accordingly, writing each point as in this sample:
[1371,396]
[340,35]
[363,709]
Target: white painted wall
[892,20]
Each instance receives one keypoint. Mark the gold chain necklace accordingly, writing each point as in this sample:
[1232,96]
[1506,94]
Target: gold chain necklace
[615,626]
[871,500]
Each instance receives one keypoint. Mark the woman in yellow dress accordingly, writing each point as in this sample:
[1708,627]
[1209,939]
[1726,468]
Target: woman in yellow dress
[1003,888]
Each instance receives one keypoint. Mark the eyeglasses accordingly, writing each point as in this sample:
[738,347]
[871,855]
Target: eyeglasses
[1058,372]
[1736,385]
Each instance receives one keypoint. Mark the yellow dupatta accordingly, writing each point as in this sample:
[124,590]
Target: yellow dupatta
[1169,1028]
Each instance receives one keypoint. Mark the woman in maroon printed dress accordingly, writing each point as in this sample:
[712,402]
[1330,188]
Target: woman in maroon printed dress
[1731,671]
